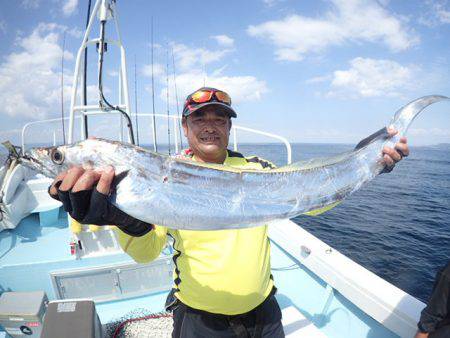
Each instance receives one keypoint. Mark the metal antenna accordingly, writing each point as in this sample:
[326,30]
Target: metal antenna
[155,145]
[176,98]
[168,112]
[62,87]
[136,102]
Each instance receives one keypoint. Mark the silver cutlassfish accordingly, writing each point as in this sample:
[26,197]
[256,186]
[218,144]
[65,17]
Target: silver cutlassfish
[183,194]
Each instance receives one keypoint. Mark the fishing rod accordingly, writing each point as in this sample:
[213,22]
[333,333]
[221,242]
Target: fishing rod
[168,112]
[62,87]
[176,98]
[135,102]
[155,145]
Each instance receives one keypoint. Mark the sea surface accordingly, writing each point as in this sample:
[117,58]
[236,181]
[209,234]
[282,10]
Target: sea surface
[398,226]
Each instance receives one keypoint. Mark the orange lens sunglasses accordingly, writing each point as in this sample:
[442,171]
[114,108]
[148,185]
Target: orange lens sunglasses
[203,96]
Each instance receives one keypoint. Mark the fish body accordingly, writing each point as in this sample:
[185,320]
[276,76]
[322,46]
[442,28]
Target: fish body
[182,194]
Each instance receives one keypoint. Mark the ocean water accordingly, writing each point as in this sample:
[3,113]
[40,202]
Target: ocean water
[398,226]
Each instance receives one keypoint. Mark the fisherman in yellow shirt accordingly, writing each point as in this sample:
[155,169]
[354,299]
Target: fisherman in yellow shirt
[223,285]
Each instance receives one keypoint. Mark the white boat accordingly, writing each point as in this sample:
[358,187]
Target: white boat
[322,293]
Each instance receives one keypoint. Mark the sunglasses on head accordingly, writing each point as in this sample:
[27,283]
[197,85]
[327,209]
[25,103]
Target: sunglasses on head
[206,95]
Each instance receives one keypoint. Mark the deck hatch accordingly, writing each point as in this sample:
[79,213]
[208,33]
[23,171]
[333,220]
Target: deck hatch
[114,282]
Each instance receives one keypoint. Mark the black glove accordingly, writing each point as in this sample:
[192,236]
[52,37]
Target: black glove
[93,207]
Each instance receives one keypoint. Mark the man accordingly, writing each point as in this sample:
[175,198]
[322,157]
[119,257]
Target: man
[435,317]
[223,285]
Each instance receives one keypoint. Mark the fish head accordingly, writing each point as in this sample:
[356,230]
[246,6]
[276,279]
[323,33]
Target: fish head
[50,161]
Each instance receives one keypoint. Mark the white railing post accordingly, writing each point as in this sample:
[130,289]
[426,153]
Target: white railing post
[175,127]
[77,71]
[123,67]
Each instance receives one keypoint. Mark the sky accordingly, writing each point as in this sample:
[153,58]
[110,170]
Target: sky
[312,71]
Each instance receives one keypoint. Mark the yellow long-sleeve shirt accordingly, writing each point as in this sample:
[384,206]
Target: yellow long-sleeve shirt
[223,271]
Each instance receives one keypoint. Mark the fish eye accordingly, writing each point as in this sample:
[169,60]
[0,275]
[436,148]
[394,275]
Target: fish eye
[57,156]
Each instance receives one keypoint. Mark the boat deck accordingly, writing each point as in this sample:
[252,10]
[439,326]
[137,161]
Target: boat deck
[32,243]
[308,303]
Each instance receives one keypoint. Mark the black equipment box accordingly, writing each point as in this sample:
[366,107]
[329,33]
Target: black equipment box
[71,319]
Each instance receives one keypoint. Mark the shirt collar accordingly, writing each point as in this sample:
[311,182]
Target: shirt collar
[225,161]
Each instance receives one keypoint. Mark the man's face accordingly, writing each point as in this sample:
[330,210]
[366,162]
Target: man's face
[207,132]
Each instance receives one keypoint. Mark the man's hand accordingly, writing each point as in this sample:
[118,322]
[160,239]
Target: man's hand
[77,179]
[84,195]
[393,155]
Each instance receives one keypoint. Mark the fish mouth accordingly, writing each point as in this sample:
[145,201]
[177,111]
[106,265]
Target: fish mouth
[31,160]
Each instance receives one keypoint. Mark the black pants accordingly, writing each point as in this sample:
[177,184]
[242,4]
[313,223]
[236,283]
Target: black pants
[263,321]
[435,317]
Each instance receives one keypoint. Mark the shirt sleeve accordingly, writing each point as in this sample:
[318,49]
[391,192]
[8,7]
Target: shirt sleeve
[146,248]
[438,306]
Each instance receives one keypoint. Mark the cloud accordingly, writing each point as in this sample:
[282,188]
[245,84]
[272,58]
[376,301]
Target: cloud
[158,70]
[112,73]
[349,21]
[223,40]
[437,13]
[30,77]
[187,58]
[371,78]
[191,75]
[75,32]
[241,88]
[319,79]
[30,4]
[69,7]
[271,3]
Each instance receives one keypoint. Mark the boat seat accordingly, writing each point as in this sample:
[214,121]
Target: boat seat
[295,324]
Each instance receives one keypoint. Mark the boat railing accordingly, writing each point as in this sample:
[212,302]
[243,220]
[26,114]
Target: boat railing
[172,119]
